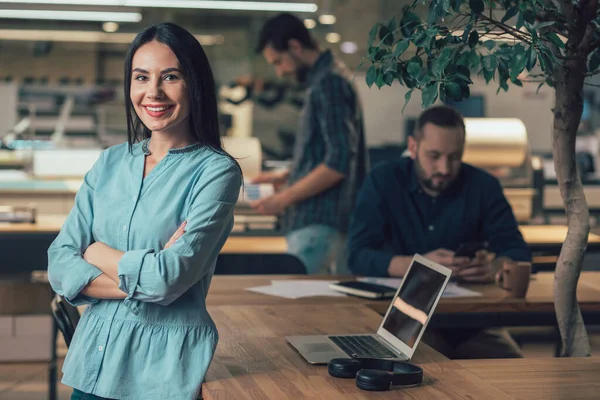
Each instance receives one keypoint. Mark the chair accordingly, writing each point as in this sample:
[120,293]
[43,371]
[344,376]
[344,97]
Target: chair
[66,317]
[250,264]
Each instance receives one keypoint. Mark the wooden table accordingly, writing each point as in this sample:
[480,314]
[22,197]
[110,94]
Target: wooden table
[546,378]
[253,361]
[493,308]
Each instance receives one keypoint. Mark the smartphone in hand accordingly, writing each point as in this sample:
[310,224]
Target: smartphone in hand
[469,249]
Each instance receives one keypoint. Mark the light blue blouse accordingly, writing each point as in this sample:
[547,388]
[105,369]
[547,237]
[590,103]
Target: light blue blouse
[159,341]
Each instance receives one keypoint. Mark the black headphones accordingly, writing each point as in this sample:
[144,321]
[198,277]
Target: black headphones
[374,374]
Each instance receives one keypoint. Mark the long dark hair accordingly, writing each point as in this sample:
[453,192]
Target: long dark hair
[203,120]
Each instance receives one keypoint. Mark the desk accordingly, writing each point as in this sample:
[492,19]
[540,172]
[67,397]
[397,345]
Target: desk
[490,309]
[547,378]
[550,238]
[547,238]
[253,360]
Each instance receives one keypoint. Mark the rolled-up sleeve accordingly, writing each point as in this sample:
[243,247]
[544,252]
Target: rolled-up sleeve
[500,226]
[366,236]
[334,111]
[68,272]
[163,276]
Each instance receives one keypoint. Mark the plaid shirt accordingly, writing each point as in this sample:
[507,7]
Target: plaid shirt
[331,132]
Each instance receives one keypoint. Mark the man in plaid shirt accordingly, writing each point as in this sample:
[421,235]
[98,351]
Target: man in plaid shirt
[330,160]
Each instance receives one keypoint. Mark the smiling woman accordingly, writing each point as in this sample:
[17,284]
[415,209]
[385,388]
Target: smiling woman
[140,245]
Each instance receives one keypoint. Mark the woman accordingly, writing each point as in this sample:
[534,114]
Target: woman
[140,244]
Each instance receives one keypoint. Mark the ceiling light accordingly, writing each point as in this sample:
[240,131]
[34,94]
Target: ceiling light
[349,47]
[327,19]
[210,5]
[310,23]
[88,36]
[110,27]
[333,37]
[72,15]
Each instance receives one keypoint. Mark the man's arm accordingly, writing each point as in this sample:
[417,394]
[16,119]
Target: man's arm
[366,235]
[501,231]
[317,181]
[500,227]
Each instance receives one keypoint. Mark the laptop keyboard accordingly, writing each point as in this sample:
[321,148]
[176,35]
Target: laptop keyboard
[362,346]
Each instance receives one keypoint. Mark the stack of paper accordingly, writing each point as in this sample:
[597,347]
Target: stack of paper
[295,289]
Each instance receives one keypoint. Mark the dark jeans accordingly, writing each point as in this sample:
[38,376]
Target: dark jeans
[79,395]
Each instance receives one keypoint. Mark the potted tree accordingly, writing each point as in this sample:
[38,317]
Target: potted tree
[553,42]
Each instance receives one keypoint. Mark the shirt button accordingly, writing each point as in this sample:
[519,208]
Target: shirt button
[100,348]
[124,228]
[134,198]
[431,227]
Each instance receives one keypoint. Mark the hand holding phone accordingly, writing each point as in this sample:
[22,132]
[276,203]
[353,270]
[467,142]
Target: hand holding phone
[470,249]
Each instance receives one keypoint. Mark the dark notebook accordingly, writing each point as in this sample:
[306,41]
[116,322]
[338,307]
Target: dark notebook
[364,289]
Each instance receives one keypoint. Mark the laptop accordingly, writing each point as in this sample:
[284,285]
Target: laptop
[401,328]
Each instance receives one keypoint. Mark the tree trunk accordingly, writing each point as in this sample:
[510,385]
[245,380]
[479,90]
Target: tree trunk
[568,82]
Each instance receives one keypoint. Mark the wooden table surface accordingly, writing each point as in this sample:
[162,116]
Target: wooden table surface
[545,378]
[230,290]
[254,361]
[535,235]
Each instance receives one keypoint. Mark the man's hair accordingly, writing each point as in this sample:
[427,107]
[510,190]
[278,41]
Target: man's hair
[279,30]
[444,116]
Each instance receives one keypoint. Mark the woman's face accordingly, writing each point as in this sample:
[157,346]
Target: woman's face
[158,91]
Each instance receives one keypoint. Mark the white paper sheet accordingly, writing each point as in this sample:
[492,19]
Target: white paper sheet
[295,289]
[452,289]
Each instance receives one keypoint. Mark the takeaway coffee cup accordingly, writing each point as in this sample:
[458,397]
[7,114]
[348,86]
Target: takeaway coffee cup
[514,278]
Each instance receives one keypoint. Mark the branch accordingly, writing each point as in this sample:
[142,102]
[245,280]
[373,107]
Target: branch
[510,30]
[592,85]
[588,13]
[594,73]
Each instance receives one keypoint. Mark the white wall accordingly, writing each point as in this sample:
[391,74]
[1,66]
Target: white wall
[385,122]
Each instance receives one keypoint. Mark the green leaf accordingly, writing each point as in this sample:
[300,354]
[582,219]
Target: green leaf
[477,6]
[531,58]
[594,61]
[520,21]
[372,35]
[442,62]
[473,39]
[392,25]
[466,33]
[414,70]
[409,23]
[463,73]
[420,37]
[371,75]
[388,78]
[386,36]
[401,47]
[546,61]
[532,31]
[490,62]
[554,38]
[529,16]
[545,24]
[430,94]
[379,81]
[489,44]
[488,75]
[519,60]
[407,99]
[452,90]
[511,12]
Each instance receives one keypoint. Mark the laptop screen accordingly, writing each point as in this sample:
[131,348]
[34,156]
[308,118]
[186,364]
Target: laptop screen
[414,302]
